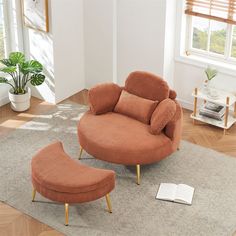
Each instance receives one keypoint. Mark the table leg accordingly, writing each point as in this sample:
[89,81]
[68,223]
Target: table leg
[226,114]
[235,110]
[195,105]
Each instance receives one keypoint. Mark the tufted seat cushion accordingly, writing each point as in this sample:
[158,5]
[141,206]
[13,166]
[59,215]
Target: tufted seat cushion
[56,176]
[119,139]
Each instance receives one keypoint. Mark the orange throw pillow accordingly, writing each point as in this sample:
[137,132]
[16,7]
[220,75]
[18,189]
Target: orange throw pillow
[135,107]
[103,98]
[162,115]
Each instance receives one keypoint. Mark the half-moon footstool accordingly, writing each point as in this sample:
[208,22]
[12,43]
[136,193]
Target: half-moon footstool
[59,178]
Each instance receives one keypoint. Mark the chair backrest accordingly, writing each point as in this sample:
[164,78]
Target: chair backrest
[147,85]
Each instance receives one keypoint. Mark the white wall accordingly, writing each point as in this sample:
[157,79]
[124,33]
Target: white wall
[39,46]
[126,35]
[140,36]
[99,41]
[169,49]
[68,47]
[61,51]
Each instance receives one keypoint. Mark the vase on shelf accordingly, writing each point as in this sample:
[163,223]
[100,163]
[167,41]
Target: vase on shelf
[206,87]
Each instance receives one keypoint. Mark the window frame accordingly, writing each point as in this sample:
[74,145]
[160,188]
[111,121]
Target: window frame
[226,58]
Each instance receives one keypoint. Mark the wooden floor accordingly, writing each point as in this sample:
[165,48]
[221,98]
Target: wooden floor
[15,223]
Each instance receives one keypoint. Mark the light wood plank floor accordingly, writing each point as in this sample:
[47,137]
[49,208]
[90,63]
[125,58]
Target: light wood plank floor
[15,223]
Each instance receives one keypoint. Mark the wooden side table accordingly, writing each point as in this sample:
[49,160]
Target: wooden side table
[225,99]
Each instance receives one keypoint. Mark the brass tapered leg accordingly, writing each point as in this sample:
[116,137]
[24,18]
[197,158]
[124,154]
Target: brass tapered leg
[109,203]
[33,194]
[66,214]
[138,174]
[80,152]
[178,148]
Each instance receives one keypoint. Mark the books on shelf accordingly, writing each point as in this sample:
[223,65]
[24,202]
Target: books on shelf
[180,193]
[213,111]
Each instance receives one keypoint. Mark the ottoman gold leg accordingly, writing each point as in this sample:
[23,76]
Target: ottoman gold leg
[138,174]
[33,194]
[108,203]
[80,152]
[66,214]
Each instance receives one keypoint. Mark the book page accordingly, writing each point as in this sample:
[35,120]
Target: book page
[167,191]
[184,194]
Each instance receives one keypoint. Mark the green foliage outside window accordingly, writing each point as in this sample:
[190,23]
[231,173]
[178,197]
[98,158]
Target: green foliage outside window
[234,43]
[217,40]
[217,44]
[200,39]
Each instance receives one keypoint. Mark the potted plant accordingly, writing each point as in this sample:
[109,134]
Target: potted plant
[19,73]
[210,73]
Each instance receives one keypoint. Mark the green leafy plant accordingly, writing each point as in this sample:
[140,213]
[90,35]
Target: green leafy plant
[21,72]
[211,73]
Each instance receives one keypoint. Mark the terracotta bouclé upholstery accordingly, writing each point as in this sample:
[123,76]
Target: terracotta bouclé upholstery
[162,115]
[118,138]
[104,103]
[135,107]
[147,85]
[59,178]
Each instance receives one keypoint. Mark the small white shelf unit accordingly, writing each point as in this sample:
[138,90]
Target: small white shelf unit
[225,99]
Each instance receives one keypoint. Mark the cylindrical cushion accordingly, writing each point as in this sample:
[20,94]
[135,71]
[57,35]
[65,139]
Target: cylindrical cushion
[163,114]
[119,139]
[103,97]
[174,128]
[54,171]
[135,107]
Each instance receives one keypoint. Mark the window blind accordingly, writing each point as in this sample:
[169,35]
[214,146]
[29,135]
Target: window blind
[219,10]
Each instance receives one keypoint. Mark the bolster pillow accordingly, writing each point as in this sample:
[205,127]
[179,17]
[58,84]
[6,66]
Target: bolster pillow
[135,107]
[162,115]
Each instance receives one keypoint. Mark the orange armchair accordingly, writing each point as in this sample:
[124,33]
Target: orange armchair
[138,124]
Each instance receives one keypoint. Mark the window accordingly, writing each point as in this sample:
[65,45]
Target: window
[212,28]
[4,39]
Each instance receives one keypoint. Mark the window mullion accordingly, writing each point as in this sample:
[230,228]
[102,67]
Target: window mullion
[190,34]
[229,38]
[209,36]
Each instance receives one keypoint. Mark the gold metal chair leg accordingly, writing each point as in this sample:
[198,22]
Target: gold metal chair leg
[178,148]
[80,152]
[66,214]
[33,194]
[109,203]
[138,174]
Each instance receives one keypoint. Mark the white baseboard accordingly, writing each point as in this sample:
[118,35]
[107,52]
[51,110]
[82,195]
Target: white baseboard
[185,104]
[4,101]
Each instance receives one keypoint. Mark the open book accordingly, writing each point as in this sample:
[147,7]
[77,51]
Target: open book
[180,193]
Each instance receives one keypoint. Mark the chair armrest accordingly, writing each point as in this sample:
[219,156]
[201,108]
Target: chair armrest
[103,98]
[173,129]
[162,115]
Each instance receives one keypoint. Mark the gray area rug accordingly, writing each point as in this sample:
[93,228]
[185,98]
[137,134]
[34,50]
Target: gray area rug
[135,210]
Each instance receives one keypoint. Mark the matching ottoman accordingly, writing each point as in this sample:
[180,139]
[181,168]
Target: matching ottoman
[59,178]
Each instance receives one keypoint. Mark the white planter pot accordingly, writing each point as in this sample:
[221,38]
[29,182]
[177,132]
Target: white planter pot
[20,102]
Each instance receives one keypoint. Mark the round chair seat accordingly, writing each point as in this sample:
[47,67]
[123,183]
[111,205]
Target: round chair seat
[119,139]
[59,178]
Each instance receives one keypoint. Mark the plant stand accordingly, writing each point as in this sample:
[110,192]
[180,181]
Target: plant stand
[225,99]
